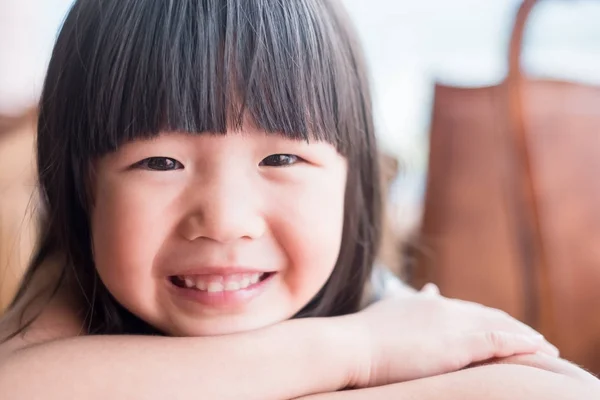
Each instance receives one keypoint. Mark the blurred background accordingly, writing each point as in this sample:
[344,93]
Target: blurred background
[490,171]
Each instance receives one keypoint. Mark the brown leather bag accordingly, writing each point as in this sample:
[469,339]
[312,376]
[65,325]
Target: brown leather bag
[512,210]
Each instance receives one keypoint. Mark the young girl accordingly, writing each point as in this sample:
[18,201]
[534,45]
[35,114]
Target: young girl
[209,191]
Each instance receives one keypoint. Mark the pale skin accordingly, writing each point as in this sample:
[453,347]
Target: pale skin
[250,350]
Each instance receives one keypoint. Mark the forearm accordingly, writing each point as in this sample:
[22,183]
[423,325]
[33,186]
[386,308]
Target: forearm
[551,364]
[284,361]
[492,382]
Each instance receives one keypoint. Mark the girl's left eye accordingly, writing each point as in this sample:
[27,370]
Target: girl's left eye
[279,160]
[160,164]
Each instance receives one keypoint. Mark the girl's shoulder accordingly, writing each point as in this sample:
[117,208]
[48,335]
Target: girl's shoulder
[53,317]
[383,283]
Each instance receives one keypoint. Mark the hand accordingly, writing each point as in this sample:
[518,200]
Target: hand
[426,334]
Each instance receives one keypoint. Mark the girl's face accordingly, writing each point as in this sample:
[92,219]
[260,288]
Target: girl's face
[215,234]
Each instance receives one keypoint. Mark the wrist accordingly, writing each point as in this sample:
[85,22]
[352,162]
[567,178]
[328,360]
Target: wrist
[351,342]
[331,349]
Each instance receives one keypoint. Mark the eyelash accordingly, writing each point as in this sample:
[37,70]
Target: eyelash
[274,160]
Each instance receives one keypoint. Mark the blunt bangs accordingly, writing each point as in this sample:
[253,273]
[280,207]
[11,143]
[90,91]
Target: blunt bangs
[146,67]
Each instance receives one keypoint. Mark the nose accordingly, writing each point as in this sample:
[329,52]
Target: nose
[225,210]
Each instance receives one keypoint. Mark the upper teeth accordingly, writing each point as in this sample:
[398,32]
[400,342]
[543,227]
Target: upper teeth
[220,283]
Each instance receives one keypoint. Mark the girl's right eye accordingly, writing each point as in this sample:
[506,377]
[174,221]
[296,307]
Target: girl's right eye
[159,164]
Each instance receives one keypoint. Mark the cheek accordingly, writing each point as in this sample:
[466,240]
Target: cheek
[309,230]
[127,235]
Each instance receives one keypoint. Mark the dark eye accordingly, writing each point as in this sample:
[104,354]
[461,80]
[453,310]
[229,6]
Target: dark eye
[279,160]
[160,164]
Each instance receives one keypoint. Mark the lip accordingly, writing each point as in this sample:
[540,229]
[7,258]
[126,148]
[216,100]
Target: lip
[224,299]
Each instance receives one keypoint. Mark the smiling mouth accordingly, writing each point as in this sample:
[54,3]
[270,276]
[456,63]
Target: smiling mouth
[220,283]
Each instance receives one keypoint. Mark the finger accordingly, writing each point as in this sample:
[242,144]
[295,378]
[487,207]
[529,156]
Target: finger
[482,346]
[510,324]
[550,349]
[522,326]
[501,320]
[547,347]
[498,320]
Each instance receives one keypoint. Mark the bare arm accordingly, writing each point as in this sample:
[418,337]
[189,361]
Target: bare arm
[52,361]
[291,359]
[491,382]
[288,360]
